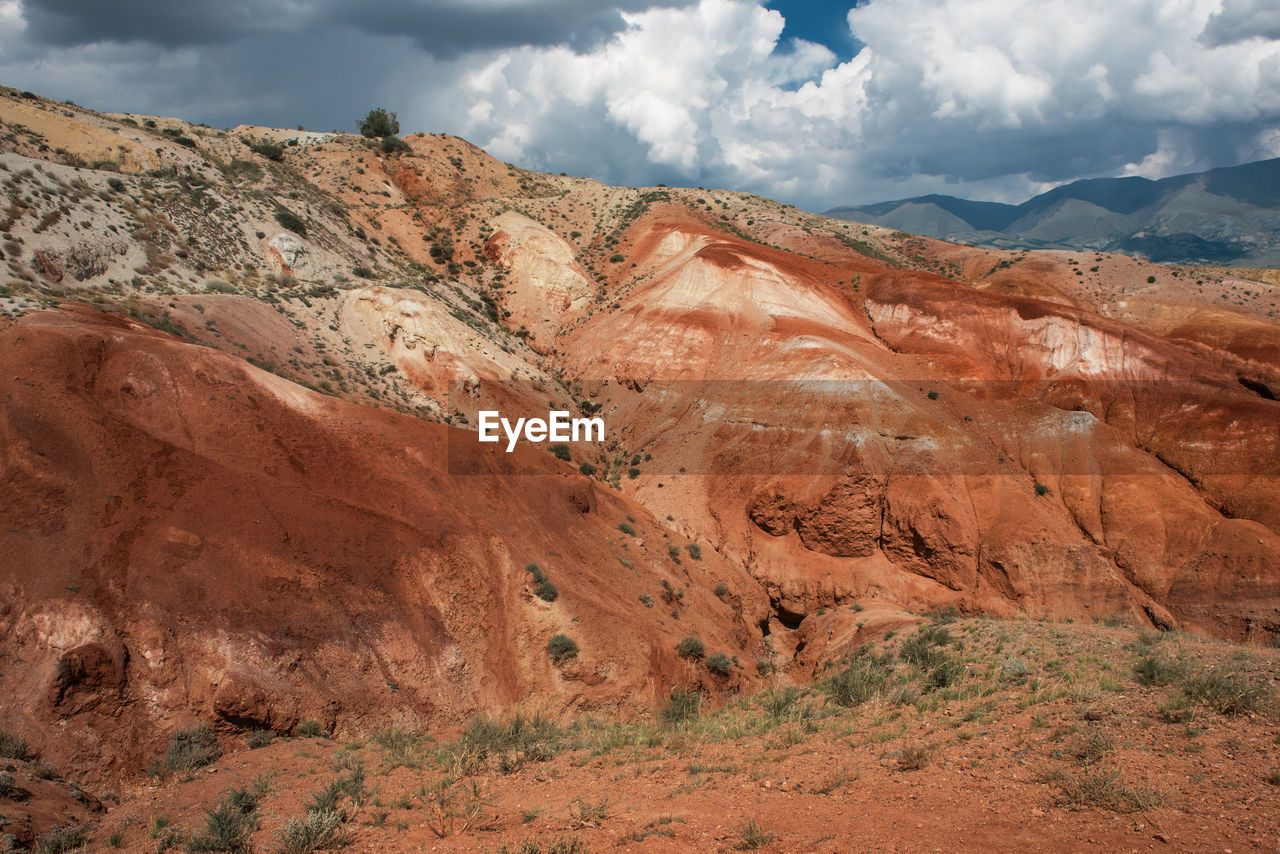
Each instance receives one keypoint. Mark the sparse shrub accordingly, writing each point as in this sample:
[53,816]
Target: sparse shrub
[259,738]
[691,647]
[673,552]
[921,648]
[362,272]
[1157,670]
[13,747]
[694,550]
[1151,280]
[682,704]
[315,831]
[913,757]
[288,219]
[859,680]
[308,729]
[59,839]
[1014,670]
[1226,693]
[229,826]
[633,473]
[401,748]
[720,590]
[1101,790]
[1091,746]
[349,786]
[266,148]
[944,673]
[587,468]
[217,286]
[536,571]
[190,749]
[626,528]
[646,600]
[616,258]
[719,664]
[561,451]
[546,591]
[1041,489]
[562,648]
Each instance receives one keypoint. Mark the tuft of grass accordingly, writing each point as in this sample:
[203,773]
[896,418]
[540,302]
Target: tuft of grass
[1101,790]
[863,676]
[229,826]
[682,705]
[59,839]
[401,748]
[259,738]
[1225,692]
[1156,670]
[188,750]
[913,757]
[752,836]
[308,729]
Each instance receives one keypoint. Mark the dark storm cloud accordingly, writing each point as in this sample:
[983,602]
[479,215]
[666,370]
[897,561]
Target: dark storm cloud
[440,27]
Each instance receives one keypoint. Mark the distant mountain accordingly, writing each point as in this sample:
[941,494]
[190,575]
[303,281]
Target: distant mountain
[1224,216]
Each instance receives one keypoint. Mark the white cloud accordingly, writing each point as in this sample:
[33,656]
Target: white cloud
[999,96]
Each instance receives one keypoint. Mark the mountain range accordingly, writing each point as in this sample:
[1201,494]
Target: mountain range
[1228,216]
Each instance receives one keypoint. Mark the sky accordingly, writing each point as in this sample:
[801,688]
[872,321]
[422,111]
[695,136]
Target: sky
[814,104]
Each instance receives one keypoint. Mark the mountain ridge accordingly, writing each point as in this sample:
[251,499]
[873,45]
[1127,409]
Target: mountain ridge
[1244,230]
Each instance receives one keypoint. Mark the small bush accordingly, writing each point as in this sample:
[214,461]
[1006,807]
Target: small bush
[694,550]
[691,647]
[673,552]
[1041,489]
[394,145]
[682,704]
[1014,670]
[1101,790]
[720,590]
[719,664]
[921,648]
[546,591]
[616,258]
[587,468]
[307,729]
[561,451]
[217,286]
[626,528]
[862,678]
[266,148]
[646,600]
[13,747]
[536,571]
[562,648]
[190,749]
[913,757]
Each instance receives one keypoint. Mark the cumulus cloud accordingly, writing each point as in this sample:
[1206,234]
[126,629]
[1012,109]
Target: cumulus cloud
[993,98]
[997,96]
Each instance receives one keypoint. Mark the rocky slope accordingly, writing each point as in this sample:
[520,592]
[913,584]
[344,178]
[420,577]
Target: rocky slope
[242,371]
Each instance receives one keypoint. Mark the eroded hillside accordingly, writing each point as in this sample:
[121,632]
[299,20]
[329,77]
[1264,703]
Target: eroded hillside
[242,370]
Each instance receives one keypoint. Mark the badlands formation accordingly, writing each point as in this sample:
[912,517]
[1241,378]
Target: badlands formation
[242,372]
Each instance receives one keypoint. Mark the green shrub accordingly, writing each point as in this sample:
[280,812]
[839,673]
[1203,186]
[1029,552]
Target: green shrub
[217,286]
[536,571]
[691,647]
[561,451]
[266,148]
[562,648]
[694,550]
[288,219]
[186,141]
[546,591]
[752,836]
[721,590]
[719,664]
[626,529]
[633,472]
[1041,489]
[349,786]
[379,123]
[920,648]
[587,468]
[394,145]
[616,258]
[673,552]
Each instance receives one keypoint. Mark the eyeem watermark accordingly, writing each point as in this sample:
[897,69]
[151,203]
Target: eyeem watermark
[556,427]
